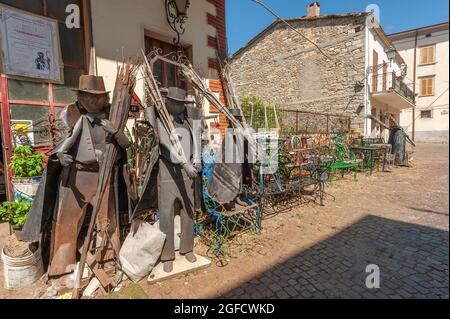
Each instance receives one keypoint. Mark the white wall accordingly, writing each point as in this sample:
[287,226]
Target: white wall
[119,27]
[434,129]
[374,42]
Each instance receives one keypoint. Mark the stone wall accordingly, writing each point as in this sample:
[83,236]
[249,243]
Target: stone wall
[282,67]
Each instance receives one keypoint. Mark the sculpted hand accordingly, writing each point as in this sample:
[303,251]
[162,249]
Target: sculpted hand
[108,126]
[190,170]
[198,167]
[65,159]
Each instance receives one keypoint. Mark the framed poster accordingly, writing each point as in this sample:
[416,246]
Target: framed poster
[30,46]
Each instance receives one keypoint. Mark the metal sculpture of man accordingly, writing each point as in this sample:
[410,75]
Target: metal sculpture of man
[176,180]
[72,174]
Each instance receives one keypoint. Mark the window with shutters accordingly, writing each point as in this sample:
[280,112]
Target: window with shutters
[165,73]
[428,55]
[427,86]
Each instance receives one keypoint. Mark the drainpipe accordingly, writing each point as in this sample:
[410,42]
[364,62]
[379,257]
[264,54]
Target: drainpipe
[414,88]
[366,75]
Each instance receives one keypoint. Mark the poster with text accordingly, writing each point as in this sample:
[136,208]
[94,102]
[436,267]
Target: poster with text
[30,45]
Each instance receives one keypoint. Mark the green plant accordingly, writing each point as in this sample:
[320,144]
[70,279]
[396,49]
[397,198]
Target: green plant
[26,162]
[15,212]
[259,112]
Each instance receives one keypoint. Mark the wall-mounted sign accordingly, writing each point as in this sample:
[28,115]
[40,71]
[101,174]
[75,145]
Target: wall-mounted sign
[30,45]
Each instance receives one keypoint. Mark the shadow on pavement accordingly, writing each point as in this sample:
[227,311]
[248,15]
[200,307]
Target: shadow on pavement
[413,262]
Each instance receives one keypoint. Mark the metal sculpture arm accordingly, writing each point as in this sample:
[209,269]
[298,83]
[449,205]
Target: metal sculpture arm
[195,79]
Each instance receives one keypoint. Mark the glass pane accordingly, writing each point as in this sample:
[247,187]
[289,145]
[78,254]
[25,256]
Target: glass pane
[35,6]
[27,91]
[61,129]
[71,45]
[170,75]
[30,125]
[72,77]
[63,94]
[158,72]
[57,8]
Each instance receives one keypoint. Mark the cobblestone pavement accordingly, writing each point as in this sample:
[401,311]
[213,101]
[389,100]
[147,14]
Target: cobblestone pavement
[413,263]
[398,221]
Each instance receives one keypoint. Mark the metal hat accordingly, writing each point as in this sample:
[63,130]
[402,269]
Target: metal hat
[91,84]
[176,94]
[236,112]
[190,99]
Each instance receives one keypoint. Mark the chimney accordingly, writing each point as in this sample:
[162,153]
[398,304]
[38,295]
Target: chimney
[313,10]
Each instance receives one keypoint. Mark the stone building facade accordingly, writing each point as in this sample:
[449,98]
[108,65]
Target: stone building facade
[282,67]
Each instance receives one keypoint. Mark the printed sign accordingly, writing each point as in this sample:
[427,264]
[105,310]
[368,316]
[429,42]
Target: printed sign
[22,133]
[30,45]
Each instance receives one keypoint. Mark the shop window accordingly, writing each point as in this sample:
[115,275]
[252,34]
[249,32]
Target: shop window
[72,77]
[35,107]
[30,125]
[61,130]
[426,114]
[63,94]
[71,45]
[28,91]
[34,6]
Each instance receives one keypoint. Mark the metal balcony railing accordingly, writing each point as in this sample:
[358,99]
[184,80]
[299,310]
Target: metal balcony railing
[389,81]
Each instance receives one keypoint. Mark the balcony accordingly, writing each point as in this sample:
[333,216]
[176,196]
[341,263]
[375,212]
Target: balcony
[390,90]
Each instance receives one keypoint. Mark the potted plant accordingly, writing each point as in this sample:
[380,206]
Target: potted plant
[15,213]
[28,166]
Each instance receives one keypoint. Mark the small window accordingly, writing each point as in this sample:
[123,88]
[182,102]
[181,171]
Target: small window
[165,73]
[425,114]
[427,86]
[427,55]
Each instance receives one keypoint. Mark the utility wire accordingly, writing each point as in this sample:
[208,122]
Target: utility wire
[303,36]
[366,76]
[445,91]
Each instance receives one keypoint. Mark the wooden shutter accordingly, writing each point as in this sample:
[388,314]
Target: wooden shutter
[384,76]
[426,86]
[375,72]
[427,55]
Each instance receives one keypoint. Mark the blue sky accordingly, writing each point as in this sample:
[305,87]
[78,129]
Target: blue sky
[245,19]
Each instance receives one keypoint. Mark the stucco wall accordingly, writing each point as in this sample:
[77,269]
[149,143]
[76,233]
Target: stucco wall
[281,67]
[374,42]
[119,27]
[436,128]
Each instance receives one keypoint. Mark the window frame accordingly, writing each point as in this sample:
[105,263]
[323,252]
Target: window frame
[166,48]
[7,102]
[428,47]
[426,117]
[421,83]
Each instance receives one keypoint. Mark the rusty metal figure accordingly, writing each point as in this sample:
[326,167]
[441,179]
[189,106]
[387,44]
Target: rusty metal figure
[70,182]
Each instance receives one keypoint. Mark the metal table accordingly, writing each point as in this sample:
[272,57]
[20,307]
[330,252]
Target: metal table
[370,150]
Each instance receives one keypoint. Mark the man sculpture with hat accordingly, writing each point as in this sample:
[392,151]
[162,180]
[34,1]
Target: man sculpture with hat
[72,174]
[176,177]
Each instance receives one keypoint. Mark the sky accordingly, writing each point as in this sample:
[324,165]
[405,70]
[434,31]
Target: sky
[245,18]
